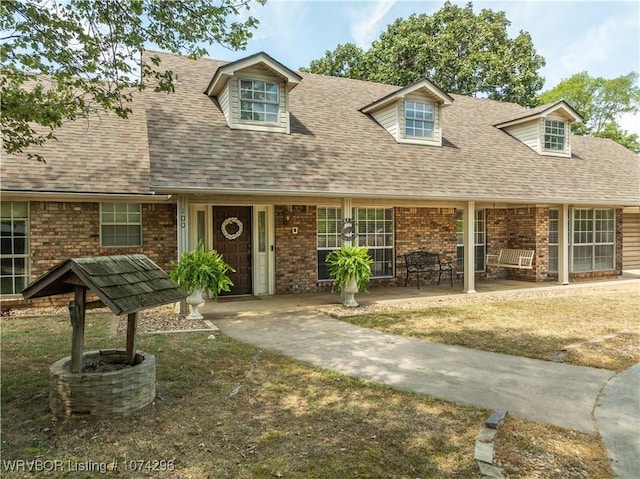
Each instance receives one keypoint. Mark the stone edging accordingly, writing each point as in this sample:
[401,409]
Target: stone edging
[483,451]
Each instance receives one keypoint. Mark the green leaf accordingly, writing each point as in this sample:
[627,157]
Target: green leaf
[67,60]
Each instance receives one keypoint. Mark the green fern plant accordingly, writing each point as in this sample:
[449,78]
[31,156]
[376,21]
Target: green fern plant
[350,262]
[200,269]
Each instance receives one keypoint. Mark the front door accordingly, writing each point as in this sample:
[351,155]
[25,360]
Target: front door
[232,239]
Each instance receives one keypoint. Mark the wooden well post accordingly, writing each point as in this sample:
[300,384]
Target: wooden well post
[77,310]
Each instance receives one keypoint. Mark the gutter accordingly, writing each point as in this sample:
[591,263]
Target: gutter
[397,196]
[70,196]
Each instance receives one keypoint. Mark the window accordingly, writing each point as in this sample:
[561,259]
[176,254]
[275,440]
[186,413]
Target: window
[554,135]
[374,230]
[593,239]
[259,101]
[553,240]
[418,119]
[120,224]
[329,229]
[479,240]
[14,247]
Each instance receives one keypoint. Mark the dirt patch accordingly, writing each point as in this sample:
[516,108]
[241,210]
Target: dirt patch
[101,366]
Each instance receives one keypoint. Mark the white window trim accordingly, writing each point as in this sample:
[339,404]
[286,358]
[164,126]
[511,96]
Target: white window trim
[422,120]
[120,223]
[563,136]
[354,214]
[554,244]
[476,232]
[436,135]
[26,256]
[339,217]
[385,247]
[262,102]
[542,133]
[593,243]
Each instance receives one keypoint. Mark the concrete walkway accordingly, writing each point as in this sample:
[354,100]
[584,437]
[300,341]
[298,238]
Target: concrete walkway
[564,395]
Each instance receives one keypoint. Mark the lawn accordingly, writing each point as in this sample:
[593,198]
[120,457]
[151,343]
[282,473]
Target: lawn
[227,410]
[599,329]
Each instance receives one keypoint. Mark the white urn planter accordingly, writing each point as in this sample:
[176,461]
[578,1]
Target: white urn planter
[350,288]
[195,299]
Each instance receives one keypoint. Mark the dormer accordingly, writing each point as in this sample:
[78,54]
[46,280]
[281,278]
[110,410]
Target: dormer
[545,129]
[412,114]
[253,93]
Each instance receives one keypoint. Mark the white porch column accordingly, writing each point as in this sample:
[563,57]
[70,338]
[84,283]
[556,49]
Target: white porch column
[469,247]
[563,244]
[347,208]
[182,212]
[183,224]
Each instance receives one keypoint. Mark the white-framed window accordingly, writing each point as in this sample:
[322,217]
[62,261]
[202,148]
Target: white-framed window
[120,224]
[479,240]
[418,119]
[259,101]
[554,216]
[14,247]
[329,228]
[593,239]
[554,135]
[374,229]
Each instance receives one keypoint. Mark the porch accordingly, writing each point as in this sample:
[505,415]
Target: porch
[397,297]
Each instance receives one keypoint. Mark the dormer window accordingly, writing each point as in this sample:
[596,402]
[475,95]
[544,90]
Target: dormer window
[259,101]
[554,135]
[544,129]
[253,93]
[412,114]
[418,119]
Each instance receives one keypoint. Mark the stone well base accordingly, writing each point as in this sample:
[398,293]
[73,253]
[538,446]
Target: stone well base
[102,394]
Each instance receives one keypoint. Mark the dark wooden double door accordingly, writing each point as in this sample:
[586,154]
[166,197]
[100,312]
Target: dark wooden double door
[235,251]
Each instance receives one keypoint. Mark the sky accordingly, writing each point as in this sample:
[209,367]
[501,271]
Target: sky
[599,37]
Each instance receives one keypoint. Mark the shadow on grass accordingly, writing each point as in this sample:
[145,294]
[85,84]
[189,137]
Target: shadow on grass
[227,410]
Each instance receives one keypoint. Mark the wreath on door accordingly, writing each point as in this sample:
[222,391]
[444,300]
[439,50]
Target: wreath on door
[225,226]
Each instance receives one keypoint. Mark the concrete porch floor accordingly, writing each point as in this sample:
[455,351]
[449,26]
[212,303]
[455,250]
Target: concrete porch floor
[257,306]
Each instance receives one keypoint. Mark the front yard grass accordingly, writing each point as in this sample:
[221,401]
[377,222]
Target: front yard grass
[225,409]
[599,329]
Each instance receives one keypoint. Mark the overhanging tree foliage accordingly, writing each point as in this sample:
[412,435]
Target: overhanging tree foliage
[601,102]
[459,51]
[66,60]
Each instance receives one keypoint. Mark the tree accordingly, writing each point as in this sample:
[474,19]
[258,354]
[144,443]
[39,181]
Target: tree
[459,51]
[601,102]
[345,61]
[67,60]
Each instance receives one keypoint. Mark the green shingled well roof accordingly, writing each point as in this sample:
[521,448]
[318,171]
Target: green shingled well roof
[124,283]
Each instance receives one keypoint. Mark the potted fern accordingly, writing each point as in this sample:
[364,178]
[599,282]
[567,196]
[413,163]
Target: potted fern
[350,268]
[199,270]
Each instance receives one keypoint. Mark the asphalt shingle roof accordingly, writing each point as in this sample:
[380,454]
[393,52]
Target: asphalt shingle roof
[124,283]
[334,149]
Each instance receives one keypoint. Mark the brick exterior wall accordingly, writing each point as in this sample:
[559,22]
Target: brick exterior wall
[61,230]
[424,229]
[295,256]
[427,229]
[528,228]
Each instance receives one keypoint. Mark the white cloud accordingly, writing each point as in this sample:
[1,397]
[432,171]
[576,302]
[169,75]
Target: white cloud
[366,22]
[596,47]
[276,19]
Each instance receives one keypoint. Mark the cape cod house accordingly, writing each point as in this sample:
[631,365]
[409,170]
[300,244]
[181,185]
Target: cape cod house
[268,165]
